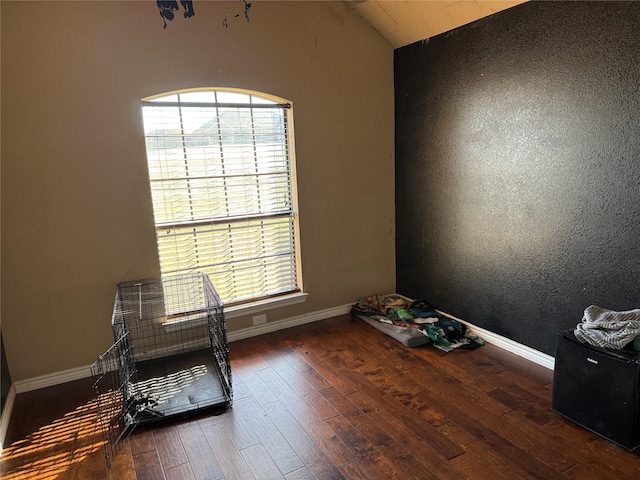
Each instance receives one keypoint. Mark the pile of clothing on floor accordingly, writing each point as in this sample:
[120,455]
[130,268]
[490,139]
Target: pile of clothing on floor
[610,329]
[445,333]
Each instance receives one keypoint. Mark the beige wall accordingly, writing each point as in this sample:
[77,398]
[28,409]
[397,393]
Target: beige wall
[76,211]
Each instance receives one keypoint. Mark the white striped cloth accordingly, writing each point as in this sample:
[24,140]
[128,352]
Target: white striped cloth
[607,328]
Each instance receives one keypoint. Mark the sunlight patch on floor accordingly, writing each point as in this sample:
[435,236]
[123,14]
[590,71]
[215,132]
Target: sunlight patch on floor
[53,449]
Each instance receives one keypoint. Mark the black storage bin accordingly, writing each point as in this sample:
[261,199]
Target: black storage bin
[598,389]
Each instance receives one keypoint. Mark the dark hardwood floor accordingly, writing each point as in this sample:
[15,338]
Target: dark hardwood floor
[328,400]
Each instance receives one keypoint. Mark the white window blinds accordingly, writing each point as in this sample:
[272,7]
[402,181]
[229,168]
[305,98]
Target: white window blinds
[222,186]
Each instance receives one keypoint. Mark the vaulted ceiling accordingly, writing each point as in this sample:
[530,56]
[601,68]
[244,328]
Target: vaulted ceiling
[405,22]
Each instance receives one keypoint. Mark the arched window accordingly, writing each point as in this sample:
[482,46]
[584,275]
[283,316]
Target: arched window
[222,175]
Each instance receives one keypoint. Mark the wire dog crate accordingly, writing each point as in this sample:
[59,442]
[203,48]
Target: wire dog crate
[170,355]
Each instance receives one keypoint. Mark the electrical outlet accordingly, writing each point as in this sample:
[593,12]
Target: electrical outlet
[260,319]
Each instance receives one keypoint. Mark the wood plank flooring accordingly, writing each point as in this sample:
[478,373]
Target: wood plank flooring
[334,399]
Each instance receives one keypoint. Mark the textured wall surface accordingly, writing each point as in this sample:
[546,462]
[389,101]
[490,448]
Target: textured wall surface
[518,167]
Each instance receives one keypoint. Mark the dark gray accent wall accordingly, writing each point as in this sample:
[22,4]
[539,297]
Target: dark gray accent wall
[518,167]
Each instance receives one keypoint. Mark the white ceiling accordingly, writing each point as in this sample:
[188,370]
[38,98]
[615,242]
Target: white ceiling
[404,22]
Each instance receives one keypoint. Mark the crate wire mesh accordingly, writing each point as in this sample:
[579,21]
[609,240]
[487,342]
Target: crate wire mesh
[112,375]
[170,355]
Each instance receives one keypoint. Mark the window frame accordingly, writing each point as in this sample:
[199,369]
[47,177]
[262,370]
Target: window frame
[172,99]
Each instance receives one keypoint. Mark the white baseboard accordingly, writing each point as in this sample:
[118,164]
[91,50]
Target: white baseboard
[78,373]
[6,415]
[288,323]
[52,379]
[509,345]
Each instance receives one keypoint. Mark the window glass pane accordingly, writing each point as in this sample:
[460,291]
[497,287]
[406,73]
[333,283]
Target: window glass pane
[199,121]
[161,121]
[233,97]
[168,98]
[200,97]
[221,188]
[252,258]
[261,100]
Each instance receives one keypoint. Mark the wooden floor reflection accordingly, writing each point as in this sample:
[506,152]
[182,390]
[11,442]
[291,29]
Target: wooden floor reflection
[329,400]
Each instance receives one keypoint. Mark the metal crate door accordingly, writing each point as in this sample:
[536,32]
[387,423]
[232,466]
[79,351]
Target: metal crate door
[113,375]
[220,350]
[217,326]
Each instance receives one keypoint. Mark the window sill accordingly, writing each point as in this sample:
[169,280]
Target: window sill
[197,320]
[188,321]
[262,305]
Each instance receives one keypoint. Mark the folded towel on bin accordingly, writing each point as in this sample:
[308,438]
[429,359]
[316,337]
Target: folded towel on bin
[607,328]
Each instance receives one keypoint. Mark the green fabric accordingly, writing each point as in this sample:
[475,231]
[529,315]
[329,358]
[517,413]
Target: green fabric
[436,334]
[404,315]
